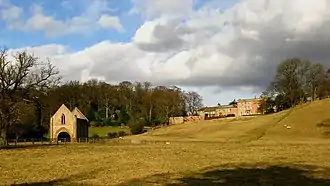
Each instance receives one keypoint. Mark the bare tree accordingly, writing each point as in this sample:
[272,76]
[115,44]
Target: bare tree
[316,77]
[290,80]
[20,75]
[194,101]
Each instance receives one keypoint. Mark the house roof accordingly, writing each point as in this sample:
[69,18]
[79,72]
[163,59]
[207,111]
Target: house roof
[210,109]
[63,106]
[79,114]
[249,100]
[74,113]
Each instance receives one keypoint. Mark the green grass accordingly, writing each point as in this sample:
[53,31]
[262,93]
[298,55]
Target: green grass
[103,131]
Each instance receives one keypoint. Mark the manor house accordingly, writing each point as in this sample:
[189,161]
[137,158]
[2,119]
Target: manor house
[244,107]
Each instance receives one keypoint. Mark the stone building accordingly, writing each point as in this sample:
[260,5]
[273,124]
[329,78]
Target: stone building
[244,107]
[68,125]
[217,111]
[248,107]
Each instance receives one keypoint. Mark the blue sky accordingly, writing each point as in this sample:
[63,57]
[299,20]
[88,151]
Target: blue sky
[63,10]
[71,33]
[66,9]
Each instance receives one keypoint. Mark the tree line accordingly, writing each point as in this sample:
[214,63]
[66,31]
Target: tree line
[31,90]
[296,81]
[124,103]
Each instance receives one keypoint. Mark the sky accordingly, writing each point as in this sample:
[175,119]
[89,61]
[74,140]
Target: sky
[223,49]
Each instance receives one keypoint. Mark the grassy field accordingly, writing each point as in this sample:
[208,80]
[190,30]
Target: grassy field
[177,163]
[305,122]
[103,131]
[245,151]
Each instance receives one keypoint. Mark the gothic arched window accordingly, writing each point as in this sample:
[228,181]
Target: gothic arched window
[63,119]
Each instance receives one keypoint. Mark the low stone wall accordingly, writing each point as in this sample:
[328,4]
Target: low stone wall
[176,120]
[193,118]
[180,120]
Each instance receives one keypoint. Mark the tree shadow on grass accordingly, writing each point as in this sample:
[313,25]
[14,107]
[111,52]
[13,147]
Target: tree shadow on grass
[73,180]
[243,176]
[46,183]
[28,146]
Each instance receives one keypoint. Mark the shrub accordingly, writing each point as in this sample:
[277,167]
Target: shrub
[230,115]
[19,130]
[113,135]
[114,123]
[121,133]
[137,128]
[95,124]
[95,136]
[106,122]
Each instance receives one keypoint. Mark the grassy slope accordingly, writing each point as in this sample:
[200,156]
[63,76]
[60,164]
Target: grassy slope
[103,131]
[302,119]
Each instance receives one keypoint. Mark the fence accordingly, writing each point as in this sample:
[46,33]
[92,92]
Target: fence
[56,141]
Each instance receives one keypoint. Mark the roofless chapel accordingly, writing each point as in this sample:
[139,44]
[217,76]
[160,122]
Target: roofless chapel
[68,125]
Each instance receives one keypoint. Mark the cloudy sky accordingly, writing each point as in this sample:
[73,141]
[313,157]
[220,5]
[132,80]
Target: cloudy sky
[223,49]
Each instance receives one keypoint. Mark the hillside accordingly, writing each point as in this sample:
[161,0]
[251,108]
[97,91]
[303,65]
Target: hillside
[307,122]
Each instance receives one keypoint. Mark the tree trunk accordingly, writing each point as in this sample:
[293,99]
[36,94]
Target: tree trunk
[3,137]
[38,111]
[106,108]
[106,112]
[150,112]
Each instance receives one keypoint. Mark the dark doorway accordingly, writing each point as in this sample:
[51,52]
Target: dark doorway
[63,137]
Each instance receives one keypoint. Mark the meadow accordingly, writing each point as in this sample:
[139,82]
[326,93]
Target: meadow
[243,151]
[103,131]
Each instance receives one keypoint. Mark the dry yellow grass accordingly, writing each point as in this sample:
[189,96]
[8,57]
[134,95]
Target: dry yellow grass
[303,121]
[248,151]
[160,164]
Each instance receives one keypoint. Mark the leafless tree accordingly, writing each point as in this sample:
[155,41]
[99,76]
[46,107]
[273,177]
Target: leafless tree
[21,74]
[194,101]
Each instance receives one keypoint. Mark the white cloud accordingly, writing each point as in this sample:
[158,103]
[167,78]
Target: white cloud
[93,18]
[233,51]
[107,22]
[12,13]
[156,8]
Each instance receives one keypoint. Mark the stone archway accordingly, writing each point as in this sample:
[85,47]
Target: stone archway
[64,137]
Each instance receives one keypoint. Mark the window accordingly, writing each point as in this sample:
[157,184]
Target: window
[63,119]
